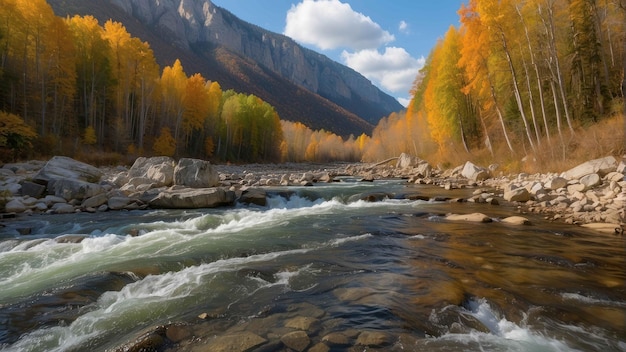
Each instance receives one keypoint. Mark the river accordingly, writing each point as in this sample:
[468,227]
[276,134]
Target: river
[94,282]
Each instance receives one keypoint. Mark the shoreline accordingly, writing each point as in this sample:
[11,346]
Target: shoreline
[593,194]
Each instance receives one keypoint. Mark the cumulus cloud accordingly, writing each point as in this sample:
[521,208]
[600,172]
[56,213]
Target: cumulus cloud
[403,27]
[331,24]
[394,70]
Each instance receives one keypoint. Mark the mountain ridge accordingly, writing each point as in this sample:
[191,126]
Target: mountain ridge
[319,92]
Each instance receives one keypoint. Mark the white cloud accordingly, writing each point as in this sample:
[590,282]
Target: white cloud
[331,24]
[403,27]
[404,101]
[395,69]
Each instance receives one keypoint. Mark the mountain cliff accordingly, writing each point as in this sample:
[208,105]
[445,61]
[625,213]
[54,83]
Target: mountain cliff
[303,85]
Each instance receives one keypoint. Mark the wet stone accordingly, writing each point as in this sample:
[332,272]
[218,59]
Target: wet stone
[296,340]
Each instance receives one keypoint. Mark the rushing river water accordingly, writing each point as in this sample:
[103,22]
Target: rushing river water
[394,266]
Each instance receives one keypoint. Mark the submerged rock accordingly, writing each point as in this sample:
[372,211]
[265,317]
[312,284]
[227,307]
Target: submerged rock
[474,217]
[238,342]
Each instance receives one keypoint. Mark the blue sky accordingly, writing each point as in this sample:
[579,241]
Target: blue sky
[386,41]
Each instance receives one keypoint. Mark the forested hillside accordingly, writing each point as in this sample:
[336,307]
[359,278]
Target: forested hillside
[518,78]
[74,86]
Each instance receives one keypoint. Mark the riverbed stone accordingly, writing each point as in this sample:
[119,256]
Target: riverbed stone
[406,161]
[256,196]
[302,323]
[609,228]
[373,339]
[555,183]
[118,202]
[513,194]
[76,189]
[516,220]
[473,217]
[296,340]
[195,173]
[62,208]
[601,166]
[192,198]
[159,169]
[239,342]
[336,339]
[95,201]
[15,205]
[64,168]
[32,189]
[590,181]
[474,172]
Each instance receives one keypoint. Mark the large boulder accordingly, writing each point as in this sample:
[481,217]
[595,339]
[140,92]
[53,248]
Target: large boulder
[64,168]
[69,189]
[474,172]
[192,198]
[406,161]
[600,166]
[516,194]
[195,173]
[158,170]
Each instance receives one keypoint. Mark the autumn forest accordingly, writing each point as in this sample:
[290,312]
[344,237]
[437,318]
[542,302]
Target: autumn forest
[517,78]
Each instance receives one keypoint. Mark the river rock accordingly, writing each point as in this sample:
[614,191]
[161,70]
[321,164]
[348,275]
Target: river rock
[473,217]
[15,205]
[159,170]
[336,339]
[302,323]
[32,189]
[590,181]
[406,161]
[195,173]
[296,340]
[600,166]
[118,202]
[76,189]
[95,201]
[555,183]
[516,220]
[62,208]
[373,339]
[192,198]
[64,168]
[238,342]
[256,196]
[519,194]
[605,228]
[474,172]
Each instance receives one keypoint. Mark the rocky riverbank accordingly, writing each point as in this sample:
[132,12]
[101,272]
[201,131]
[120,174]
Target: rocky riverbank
[592,194]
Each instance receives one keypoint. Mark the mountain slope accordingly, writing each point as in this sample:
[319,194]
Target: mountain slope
[303,85]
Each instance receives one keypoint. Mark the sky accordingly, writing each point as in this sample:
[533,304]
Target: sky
[385,41]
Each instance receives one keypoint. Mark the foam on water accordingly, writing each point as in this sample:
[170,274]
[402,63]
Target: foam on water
[156,297]
[504,335]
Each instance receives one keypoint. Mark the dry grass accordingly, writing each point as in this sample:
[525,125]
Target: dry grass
[556,154]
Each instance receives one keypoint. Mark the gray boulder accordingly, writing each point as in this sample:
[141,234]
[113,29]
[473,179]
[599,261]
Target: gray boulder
[32,189]
[159,170]
[69,189]
[195,173]
[15,206]
[474,172]
[192,198]
[256,196]
[62,208]
[513,194]
[406,161]
[555,183]
[95,201]
[601,166]
[64,168]
[590,181]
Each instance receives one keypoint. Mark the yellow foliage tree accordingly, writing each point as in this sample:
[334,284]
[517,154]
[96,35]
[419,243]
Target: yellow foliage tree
[89,137]
[165,143]
[15,134]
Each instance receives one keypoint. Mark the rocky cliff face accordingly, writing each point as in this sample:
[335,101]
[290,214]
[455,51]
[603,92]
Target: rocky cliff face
[188,23]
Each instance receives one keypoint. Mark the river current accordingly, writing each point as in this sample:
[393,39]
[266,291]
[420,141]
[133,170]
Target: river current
[93,282]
